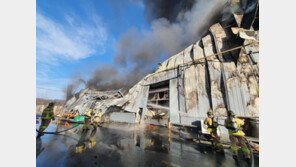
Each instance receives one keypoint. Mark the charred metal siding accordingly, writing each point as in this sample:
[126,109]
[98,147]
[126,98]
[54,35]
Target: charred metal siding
[214,82]
[174,102]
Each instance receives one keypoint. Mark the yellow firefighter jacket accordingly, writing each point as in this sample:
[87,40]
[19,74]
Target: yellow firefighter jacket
[239,123]
[209,122]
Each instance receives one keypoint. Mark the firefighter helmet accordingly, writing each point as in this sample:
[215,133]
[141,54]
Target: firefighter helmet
[210,112]
[51,104]
[230,113]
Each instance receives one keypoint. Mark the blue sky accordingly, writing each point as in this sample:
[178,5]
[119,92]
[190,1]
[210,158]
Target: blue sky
[73,37]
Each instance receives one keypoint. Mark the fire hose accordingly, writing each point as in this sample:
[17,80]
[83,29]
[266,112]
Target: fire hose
[252,155]
[61,130]
[58,131]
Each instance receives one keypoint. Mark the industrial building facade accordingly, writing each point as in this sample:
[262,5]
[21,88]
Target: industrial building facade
[218,72]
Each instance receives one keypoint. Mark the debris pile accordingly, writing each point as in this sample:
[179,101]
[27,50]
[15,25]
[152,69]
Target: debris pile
[90,98]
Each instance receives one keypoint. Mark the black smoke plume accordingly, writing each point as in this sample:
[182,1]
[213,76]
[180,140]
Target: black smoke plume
[72,87]
[107,77]
[175,24]
[172,10]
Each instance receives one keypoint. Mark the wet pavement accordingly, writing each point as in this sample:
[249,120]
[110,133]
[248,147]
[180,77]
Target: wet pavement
[125,145]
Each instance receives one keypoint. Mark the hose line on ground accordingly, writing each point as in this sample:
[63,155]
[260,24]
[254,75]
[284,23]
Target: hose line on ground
[65,129]
[58,131]
[252,155]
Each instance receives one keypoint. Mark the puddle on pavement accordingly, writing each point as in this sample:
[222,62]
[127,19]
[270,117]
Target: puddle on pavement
[125,145]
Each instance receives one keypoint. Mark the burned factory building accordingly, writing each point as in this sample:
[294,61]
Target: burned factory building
[219,72]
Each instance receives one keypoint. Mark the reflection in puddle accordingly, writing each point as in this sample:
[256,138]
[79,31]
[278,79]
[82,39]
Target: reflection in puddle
[125,145]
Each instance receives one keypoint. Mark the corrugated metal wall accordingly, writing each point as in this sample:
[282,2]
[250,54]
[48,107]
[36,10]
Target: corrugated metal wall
[197,87]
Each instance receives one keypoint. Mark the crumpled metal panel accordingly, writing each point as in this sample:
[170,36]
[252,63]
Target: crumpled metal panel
[238,18]
[172,60]
[237,98]
[188,54]
[248,68]
[163,66]
[218,32]
[170,63]
[144,99]
[237,11]
[70,102]
[174,101]
[203,97]
[249,84]
[176,60]
[140,100]
[87,99]
[197,102]
[144,96]
[120,102]
[215,77]
[198,79]
[179,60]
[252,49]
[244,33]
[122,117]
[190,87]
[132,98]
[234,96]
[137,100]
[181,91]
[250,35]
[159,77]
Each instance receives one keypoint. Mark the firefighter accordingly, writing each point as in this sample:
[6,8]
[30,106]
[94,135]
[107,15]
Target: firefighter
[96,118]
[46,117]
[92,138]
[87,119]
[87,140]
[212,125]
[236,135]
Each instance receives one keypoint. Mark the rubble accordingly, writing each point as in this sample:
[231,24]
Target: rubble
[92,98]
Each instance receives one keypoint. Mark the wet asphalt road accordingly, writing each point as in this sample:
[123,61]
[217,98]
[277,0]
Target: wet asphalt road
[125,145]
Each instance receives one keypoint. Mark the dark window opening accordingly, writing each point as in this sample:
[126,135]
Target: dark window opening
[158,103]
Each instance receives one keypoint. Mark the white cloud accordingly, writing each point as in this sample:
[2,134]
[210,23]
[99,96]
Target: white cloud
[73,40]
[60,42]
